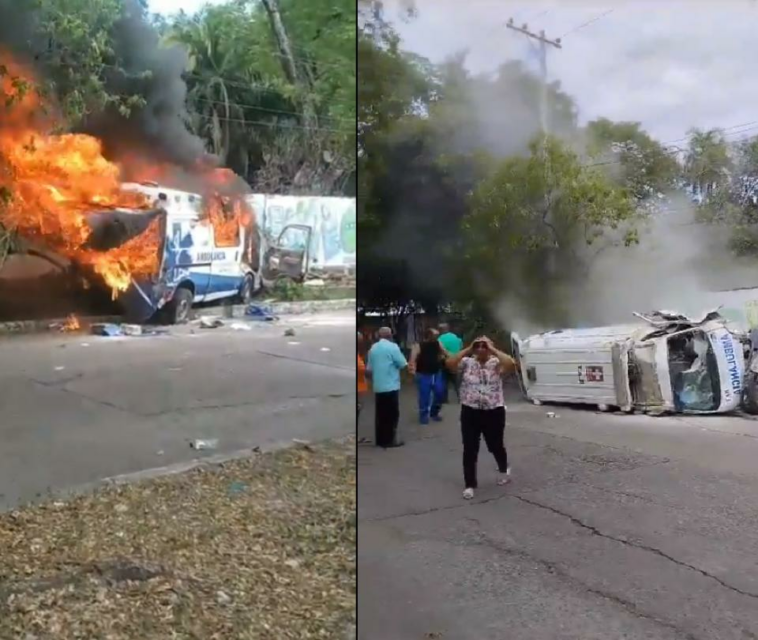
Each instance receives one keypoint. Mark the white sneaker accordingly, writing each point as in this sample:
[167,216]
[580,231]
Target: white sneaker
[504,478]
[468,494]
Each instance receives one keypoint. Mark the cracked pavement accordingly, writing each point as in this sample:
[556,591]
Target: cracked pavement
[614,527]
[80,408]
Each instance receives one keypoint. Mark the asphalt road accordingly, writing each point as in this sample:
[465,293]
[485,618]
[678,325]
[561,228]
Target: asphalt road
[614,527]
[75,409]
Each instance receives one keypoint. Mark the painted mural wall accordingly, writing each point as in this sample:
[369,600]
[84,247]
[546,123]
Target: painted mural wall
[332,220]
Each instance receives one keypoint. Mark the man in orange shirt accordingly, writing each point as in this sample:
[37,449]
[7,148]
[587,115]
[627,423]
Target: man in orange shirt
[361,372]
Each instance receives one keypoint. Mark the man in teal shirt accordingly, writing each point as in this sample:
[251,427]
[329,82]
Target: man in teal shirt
[452,344]
[385,361]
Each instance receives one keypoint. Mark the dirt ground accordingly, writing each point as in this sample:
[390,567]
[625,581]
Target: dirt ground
[258,548]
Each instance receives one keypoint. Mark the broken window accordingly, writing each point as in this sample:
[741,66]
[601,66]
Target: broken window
[694,372]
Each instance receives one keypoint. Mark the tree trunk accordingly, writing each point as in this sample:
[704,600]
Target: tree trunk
[288,61]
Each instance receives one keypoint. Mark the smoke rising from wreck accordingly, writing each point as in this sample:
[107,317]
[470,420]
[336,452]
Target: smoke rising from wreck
[154,72]
[155,134]
[677,264]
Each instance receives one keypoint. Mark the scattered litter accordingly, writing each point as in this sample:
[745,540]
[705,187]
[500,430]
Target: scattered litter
[292,563]
[106,329]
[211,322]
[365,441]
[289,332]
[222,598]
[325,349]
[303,443]
[59,368]
[256,449]
[201,445]
[131,329]
[241,326]
[237,487]
[159,453]
[551,414]
[176,368]
[292,342]
[260,312]
[85,344]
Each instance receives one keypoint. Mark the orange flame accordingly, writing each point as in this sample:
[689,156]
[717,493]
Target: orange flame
[71,324]
[52,181]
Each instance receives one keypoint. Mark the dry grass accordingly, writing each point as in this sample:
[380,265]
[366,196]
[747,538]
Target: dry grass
[260,548]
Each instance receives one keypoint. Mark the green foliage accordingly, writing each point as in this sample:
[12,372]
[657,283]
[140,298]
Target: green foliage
[708,162]
[547,202]
[79,51]
[647,168]
[287,290]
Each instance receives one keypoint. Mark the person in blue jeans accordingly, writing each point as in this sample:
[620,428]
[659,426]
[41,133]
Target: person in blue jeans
[427,363]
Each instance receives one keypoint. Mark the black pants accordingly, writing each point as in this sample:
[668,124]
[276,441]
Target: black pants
[448,379]
[475,423]
[387,417]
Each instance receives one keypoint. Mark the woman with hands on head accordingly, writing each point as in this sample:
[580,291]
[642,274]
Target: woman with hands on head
[482,367]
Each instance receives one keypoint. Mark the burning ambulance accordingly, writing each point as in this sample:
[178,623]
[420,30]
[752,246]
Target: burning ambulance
[207,248]
[158,250]
[664,363]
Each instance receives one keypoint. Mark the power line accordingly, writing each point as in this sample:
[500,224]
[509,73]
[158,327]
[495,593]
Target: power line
[275,125]
[586,24]
[670,150]
[257,108]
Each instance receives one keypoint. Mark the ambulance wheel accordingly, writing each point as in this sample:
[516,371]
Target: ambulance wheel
[247,290]
[178,311]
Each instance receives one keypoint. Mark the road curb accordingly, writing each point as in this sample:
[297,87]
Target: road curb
[135,477]
[300,307]
[50,325]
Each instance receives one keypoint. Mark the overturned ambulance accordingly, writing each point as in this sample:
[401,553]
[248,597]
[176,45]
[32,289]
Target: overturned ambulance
[663,363]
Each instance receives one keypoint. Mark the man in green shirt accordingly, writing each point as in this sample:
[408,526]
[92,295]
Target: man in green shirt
[452,344]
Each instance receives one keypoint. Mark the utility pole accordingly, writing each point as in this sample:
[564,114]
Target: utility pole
[543,41]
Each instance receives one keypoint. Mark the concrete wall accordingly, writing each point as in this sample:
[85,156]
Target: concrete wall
[333,220]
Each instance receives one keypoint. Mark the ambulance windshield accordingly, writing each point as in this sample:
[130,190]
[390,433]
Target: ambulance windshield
[694,372]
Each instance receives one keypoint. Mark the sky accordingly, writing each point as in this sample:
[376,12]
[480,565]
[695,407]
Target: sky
[669,64]
[168,7]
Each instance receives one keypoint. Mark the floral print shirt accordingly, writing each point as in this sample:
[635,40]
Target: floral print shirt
[481,384]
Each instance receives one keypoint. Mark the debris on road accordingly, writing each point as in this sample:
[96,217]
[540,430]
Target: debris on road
[131,329]
[289,332]
[551,414]
[106,329]
[204,445]
[241,326]
[196,562]
[260,312]
[293,343]
[325,349]
[211,322]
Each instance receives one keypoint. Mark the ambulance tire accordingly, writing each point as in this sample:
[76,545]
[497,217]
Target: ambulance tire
[247,290]
[179,310]
[750,394]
